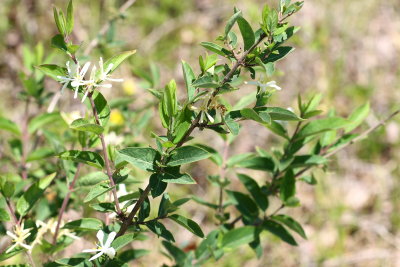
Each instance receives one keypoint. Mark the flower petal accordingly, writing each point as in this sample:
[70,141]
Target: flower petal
[100,237]
[110,239]
[110,252]
[91,250]
[96,256]
[84,69]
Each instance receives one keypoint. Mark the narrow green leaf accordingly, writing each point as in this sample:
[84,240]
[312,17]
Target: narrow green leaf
[141,157]
[96,191]
[42,120]
[174,176]
[85,126]
[243,203]
[254,190]
[132,254]
[122,241]
[58,42]
[321,125]
[178,254]
[84,224]
[33,194]
[216,49]
[115,61]
[231,22]
[288,186]
[239,236]
[102,107]
[87,157]
[52,70]
[10,126]
[189,77]
[357,117]
[157,185]
[58,20]
[205,82]
[247,33]
[70,17]
[4,216]
[190,225]
[278,230]
[187,154]
[160,230]
[291,223]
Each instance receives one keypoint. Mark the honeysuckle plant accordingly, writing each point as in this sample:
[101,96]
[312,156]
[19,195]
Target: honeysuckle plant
[88,164]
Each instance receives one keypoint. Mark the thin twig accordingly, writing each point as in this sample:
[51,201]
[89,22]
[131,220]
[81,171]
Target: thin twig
[105,154]
[106,26]
[25,141]
[222,171]
[65,202]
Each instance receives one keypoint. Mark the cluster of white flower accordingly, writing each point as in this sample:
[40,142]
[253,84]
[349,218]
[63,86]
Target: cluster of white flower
[76,77]
[18,237]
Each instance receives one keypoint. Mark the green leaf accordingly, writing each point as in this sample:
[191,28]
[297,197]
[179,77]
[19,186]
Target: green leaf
[281,114]
[250,114]
[254,190]
[216,49]
[34,193]
[59,19]
[4,216]
[288,186]
[40,153]
[187,154]
[52,70]
[42,120]
[92,179]
[321,125]
[357,117]
[278,230]
[103,207]
[291,223]
[165,204]
[70,17]
[58,42]
[243,203]
[10,126]
[87,157]
[308,160]
[279,53]
[85,126]
[160,230]
[178,254]
[144,211]
[171,175]
[84,224]
[115,61]
[96,191]
[231,22]
[205,82]
[239,236]
[215,156]
[278,129]
[188,224]
[12,253]
[247,33]
[189,77]
[132,254]
[257,163]
[102,107]
[157,185]
[141,157]
[122,241]
[7,188]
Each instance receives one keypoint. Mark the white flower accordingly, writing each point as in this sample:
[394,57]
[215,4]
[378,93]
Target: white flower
[209,102]
[51,226]
[271,84]
[104,74]
[19,236]
[76,77]
[103,248]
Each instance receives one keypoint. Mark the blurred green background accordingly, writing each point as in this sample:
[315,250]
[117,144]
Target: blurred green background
[347,50]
